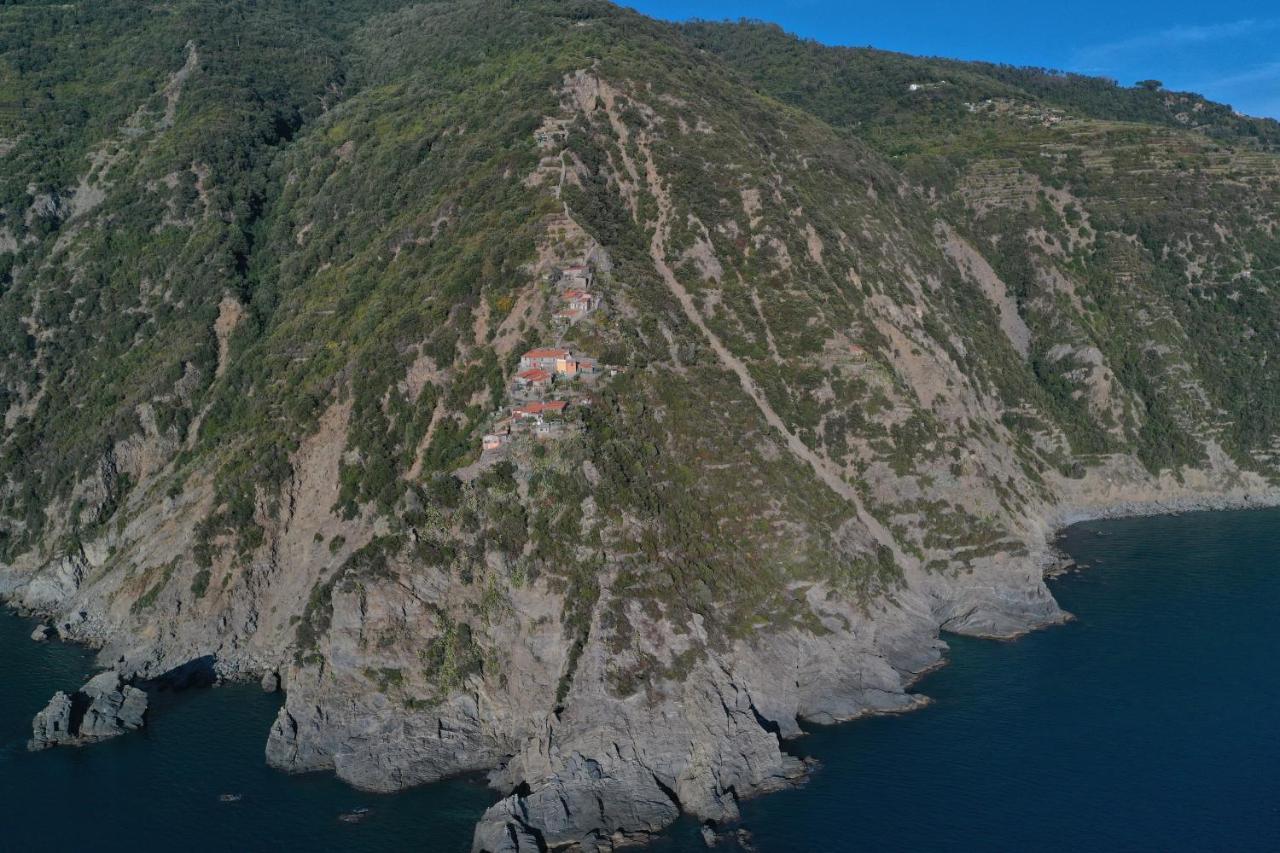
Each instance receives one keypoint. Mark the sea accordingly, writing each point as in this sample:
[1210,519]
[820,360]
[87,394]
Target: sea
[1150,722]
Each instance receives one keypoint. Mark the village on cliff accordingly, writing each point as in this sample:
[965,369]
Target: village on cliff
[551,380]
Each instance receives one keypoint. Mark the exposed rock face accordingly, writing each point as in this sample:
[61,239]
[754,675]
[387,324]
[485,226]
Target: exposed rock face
[58,582]
[103,708]
[612,772]
[52,726]
[505,829]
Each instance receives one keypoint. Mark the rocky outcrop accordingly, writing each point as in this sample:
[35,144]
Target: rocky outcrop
[59,581]
[610,772]
[605,772]
[103,708]
[52,726]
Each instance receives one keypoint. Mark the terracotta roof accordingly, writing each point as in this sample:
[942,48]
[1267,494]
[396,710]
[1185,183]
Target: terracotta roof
[546,352]
[575,294]
[534,375]
[551,407]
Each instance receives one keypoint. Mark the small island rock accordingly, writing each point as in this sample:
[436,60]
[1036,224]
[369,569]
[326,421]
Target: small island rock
[52,725]
[103,708]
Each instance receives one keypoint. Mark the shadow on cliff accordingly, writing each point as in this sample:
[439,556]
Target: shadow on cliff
[197,672]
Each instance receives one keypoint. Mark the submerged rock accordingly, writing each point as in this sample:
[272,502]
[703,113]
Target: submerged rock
[103,708]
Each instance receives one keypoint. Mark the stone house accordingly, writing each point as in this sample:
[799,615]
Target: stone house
[540,411]
[534,379]
[544,358]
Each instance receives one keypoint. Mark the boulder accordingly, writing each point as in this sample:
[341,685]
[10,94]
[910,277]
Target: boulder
[271,682]
[114,707]
[103,708]
[43,632]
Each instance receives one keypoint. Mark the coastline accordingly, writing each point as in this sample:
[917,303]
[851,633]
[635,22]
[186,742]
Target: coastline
[1054,523]
[1071,515]
[1053,561]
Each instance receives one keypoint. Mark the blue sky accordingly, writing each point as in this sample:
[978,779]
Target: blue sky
[1228,50]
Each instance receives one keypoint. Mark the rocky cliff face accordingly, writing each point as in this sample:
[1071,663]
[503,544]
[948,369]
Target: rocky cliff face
[852,379]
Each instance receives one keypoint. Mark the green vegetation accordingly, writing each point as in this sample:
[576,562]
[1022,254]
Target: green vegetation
[200,583]
[451,657]
[242,234]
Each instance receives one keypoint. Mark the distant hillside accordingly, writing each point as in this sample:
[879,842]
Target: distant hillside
[873,90]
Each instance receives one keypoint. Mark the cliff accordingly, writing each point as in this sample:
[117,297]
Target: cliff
[856,349]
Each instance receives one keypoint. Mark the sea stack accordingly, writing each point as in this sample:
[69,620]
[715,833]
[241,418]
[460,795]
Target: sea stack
[103,708]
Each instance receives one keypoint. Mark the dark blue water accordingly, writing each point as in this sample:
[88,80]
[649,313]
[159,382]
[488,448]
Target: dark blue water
[158,789]
[1152,722]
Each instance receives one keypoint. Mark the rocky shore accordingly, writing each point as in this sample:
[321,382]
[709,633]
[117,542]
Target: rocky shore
[603,772]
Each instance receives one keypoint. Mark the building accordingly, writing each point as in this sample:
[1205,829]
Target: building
[582,301]
[560,362]
[500,436]
[543,359]
[577,304]
[571,366]
[585,367]
[577,274]
[540,411]
[534,379]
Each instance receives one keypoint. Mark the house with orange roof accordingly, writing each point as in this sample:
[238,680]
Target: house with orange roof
[577,303]
[535,379]
[543,358]
[560,362]
[580,300]
[539,411]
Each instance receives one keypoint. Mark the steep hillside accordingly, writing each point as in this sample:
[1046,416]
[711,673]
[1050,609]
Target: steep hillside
[834,364]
